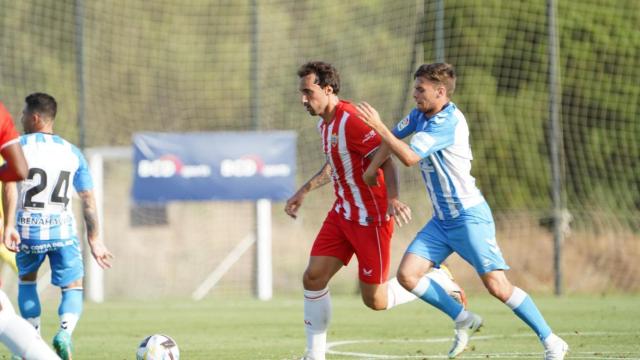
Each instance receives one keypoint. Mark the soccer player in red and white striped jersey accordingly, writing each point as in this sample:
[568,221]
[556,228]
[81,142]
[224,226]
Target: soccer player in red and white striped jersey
[360,220]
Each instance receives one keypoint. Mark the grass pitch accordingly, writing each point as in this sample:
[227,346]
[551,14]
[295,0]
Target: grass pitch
[596,327]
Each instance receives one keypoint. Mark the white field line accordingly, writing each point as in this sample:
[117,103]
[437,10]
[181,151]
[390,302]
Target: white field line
[520,355]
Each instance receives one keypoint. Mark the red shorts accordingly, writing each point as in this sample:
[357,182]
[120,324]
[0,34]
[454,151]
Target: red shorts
[341,238]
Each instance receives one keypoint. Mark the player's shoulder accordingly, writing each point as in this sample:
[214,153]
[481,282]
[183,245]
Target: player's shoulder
[347,107]
[49,140]
[449,116]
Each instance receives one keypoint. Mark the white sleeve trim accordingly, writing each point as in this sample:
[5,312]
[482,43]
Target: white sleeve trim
[10,142]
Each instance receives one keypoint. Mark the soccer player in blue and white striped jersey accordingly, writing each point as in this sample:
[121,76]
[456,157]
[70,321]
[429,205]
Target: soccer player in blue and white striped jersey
[462,221]
[15,332]
[40,223]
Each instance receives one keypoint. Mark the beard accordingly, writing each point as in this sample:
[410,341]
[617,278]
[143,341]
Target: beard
[311,111]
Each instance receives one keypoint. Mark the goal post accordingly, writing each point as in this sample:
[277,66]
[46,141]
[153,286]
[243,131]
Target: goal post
[94,275]
[268,168]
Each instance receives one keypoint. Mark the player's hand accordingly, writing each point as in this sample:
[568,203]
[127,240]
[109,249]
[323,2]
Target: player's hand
[293,204]
[400,211]
[369,115]
[101,254]
[11,239]
[370,176]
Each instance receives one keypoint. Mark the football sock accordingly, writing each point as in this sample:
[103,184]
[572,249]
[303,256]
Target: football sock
[317,314]
[21,338]
[70,308]
[435,295]
[29,303]
[397,295]
[523,306]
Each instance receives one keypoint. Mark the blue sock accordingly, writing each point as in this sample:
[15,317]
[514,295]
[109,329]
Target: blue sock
[28,300]
[435,295]
[70,308]
[524,307]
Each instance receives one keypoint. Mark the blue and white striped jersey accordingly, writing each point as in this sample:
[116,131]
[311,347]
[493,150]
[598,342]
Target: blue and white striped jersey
[44,201]
[442,141]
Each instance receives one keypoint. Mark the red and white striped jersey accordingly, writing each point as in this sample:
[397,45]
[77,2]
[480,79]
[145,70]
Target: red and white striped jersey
[8,132]
[347,141]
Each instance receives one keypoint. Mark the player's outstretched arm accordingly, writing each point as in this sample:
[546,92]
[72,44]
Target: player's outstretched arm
[321,178]
[15,167]
[10,237]
[90,213]
[400,212]
[399,148]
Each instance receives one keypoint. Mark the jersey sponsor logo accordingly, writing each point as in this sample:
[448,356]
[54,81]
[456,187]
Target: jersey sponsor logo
[44,246]
[403,124]
[25,220]
[170,165]
[370,135]
[253,165]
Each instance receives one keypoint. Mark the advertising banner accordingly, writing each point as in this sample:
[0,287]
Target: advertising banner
[203,166]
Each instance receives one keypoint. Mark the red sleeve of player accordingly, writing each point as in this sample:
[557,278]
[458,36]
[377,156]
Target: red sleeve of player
[8,131]
[362,139]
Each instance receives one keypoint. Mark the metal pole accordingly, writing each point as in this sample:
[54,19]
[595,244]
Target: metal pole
[417,56]
[440,31]
[94,281]
[79,21]
[555,146]
[264,267]
[254,76]
[262,208]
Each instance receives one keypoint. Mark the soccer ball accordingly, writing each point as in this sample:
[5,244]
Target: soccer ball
[158,347]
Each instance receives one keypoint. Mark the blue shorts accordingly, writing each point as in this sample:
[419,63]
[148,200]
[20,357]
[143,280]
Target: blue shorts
[65,259]
[472,236]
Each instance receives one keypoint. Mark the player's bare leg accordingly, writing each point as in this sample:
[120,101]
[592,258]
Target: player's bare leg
[317,303]
[391,294]
[374,296]
[524,307]
[411,275]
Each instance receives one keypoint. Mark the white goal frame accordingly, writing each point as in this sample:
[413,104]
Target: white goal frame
[94,275]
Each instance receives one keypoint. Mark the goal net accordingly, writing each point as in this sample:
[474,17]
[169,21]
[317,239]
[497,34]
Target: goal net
[119,67]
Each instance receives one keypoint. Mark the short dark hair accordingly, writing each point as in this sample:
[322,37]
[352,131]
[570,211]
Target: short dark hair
[440,73]
[326,74]
[43,104]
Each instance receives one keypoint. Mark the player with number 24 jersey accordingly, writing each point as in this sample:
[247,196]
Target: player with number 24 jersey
[44,208]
